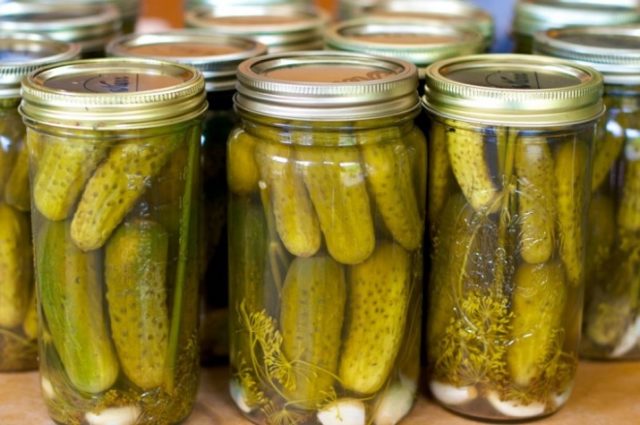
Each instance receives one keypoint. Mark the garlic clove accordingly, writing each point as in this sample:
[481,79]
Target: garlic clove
[345,411]
[237,394]
[125,415]
[395,402]
[451,395]
[628,340]
[514,409]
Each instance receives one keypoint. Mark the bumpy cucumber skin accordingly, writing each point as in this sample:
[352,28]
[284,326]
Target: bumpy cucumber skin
[608,146]
[334,177]
[536,206]
[389,176]
[296,220]
[17,188]
[70,290]
[629,209]
[538,301]
[470,168]
[375,318]
[571,164]
[440,178]
[62,173]
[136,278]
[15,266]
[115,187]
[416,143]
[313,304]
[242,173]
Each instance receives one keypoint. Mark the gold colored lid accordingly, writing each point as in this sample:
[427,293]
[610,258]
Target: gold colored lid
[113,94]
[277,29]
[128,8]
[91,26]
[21,54]
[416,40]
[326,86]
[518,90]
[532,16]
[216,56]
[613,51]
[285,5]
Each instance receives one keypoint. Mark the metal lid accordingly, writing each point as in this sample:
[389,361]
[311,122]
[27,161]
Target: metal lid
[21,54]
[416,40]
[91,26]
[520,90]
[532,16]
[113,94]
[291,5]
[280,31]
[349,9]
[326,86]
[451,11]
[614,51]
[216,56]
[128,8]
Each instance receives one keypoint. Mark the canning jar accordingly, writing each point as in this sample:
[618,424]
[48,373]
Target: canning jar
[217,57]
[291,5]
[114,150]
[611,323]
[510,165]
[349,9]
[327,176]
[280,29]
[532,16]
[20,54]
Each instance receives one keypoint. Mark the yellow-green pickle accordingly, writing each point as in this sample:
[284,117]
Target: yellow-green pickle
[611,323]
[509,188]
[19,55]
[116,265]
[326,219]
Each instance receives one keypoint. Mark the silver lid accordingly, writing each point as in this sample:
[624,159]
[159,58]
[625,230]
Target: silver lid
[416,40]
[532,16]
[326,86]
[216,56]
[91,26]
[291,5]
[280,31]
[128,8]
[21,54]
[614,51]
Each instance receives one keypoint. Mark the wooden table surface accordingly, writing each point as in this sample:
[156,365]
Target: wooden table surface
[605,394]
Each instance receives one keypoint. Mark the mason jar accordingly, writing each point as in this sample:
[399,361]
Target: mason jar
[291,5]
[20,54]
[327,176]
[91,26]
[532,16]
[217,57]
[281,30]
[611,323]
[114,151]
[510,170]
[350,9]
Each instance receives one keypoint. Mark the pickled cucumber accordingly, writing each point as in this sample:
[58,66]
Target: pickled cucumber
[538,301]
[602,233]
[295,216]
[70,291]
[242,172]
[17,187]
[15,266]
[629,209]
[136,283]
[417,145]
[536,206]
[116,185]
[440,178]
[7,160]
[30,323]
[608,146]
[313,303]
[376,317]
[334,177]
[63,170]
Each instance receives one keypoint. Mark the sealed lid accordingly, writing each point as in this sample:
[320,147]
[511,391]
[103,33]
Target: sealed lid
[284,4]
[91,26]
[113,94]
[416,40]
[522,90]
[216,56]
[349,9]
[21,54]
[326,86]
[451,11]
[128,8]
[278,30]
[614,51]
[532,16]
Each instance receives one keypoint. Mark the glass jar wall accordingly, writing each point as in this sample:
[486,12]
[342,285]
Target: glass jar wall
[115,224]
[508,196]
[325,234]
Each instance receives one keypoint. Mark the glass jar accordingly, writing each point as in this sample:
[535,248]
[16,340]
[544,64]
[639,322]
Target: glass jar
[349,9]
[114,149]
[281,30]
[510,165]
[91,26]
[532,16]
[326,217]
[291,5]
[611,324]
[20,54]
[217,57]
